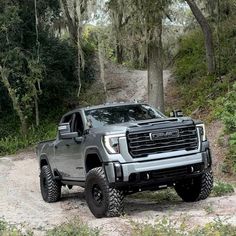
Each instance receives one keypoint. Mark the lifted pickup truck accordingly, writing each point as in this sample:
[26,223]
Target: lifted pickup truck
[117,149]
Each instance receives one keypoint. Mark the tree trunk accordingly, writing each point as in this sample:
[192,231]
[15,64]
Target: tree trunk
[102,68]
[36,104]
[155,70]
[72,27]
[12,94]
[119,53]
[78,71]
[73,24]
[206,29]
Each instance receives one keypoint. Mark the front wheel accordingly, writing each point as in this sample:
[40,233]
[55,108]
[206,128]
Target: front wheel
[199,188]
[102,199]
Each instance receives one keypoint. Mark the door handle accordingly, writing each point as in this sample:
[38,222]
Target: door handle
[67,145]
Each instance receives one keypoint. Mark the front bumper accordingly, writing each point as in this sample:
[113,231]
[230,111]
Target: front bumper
[162,171]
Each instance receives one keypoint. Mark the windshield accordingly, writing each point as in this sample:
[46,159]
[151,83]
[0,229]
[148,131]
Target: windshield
[120,114]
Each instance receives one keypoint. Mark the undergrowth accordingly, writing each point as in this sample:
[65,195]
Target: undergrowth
[226,111]
[221,188]
[169,195]
[15,141]
[167,227]
[11,139]
[209,97]
[74,228]
[11,230]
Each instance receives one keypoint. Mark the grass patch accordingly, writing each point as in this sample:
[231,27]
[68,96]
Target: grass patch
[158,196]
[169,195]
[73,228]
[221,189]
[11,230]
[173,227]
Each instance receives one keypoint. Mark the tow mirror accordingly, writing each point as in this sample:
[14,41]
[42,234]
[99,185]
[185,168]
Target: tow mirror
[176,113]
[65,131]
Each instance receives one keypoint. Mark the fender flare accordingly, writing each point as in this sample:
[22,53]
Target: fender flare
[43,157]
[92,150]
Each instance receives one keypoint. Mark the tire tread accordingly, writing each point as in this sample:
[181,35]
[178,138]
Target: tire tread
[54,187]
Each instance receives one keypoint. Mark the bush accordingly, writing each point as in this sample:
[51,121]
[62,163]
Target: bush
[73,229]
[226,111]
[190,59]
[221,189]
[12,143]
[9,230]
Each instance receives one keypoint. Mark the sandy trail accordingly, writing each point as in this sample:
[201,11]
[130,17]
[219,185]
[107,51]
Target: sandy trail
[129,85]
[21,202]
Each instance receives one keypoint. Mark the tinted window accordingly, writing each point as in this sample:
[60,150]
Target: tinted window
[120,114]
[78,124]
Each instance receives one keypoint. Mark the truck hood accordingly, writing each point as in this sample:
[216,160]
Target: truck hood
[143,124]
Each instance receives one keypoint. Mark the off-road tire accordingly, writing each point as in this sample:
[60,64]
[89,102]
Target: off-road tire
[111,200]
[50,188]
[199,188]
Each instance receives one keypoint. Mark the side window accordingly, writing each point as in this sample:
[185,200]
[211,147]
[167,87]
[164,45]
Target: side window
[78,124]
[68,119]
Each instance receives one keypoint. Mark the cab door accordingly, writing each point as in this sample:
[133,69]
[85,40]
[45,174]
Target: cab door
[68,152]
[76,149]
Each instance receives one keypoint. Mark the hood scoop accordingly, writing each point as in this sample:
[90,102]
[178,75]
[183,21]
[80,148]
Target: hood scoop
[153,122]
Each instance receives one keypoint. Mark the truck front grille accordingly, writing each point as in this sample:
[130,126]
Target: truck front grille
[156,141]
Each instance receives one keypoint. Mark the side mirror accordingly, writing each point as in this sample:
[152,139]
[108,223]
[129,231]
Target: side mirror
[65,132]
[176,113]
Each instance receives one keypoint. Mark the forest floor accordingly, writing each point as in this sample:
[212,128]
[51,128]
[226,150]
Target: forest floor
[21,202]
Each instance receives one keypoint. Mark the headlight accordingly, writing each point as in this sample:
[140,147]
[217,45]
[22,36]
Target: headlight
[111,143]
[202,131]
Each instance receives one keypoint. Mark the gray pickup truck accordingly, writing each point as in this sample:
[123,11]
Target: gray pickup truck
[113,150]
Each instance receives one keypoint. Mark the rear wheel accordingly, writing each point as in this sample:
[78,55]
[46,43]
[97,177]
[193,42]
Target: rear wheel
[50,188]
[102,199]
[199,188]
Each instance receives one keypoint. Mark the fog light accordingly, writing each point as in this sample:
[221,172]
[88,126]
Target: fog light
[118,170]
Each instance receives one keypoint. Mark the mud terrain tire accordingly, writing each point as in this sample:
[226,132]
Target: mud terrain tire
[102,199]
[198,189]
[50,188]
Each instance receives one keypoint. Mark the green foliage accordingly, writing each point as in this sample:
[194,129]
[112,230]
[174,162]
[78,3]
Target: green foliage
[190,60]
[158,196]
[9,230]
[226,111]
[221,189]
[73,228]
[50,73]
[197,89]
[167,227]
[214,228]
[15,141]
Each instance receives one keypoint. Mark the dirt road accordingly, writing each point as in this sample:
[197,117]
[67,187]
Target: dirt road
[21,202]
[129,85]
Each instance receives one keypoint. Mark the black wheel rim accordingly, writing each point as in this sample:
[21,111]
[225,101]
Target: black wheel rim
[97,194]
